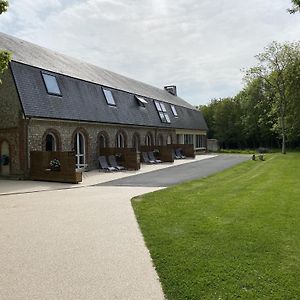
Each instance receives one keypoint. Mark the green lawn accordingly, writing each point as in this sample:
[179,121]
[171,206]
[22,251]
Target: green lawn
[234,235]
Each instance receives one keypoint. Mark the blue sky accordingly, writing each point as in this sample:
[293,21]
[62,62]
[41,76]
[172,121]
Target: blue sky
[200,46]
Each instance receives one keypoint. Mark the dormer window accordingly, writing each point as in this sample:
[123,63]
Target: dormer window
[174,111]
[162,111]
[51,84]
[141,101]
[109,97]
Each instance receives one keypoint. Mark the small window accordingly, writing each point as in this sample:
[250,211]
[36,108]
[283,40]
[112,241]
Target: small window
[109,97]
[120,141]
[50,142]
[51,84]
[141,101]
[162,111]
[174,111]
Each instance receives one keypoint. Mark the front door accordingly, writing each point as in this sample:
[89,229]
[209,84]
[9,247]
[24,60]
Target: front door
[5,159]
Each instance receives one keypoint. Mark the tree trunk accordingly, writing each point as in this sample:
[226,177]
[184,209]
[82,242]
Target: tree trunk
[283,148]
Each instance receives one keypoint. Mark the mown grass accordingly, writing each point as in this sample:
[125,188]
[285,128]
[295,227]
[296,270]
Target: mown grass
[234,235]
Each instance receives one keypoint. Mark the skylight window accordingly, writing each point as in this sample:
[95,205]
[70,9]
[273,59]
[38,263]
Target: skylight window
[141,101]
[174,111]
[162,111]
[51,84]
[109,97]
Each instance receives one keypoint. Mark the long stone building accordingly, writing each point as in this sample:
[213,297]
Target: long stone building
[52,102]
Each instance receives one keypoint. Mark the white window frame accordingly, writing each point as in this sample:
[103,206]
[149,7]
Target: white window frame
[78,155]
[109,97]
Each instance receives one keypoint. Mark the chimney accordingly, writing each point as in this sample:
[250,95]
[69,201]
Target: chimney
[172,89]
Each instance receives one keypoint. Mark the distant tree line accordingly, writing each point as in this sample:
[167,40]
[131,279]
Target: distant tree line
[266,113]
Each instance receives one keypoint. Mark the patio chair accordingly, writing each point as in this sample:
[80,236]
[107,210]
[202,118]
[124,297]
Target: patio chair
[113,162]
[178,152]
[104,165]
[146,158]
[174,156]
[152,157]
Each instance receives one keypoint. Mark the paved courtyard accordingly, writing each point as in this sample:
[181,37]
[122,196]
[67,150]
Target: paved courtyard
[61,241]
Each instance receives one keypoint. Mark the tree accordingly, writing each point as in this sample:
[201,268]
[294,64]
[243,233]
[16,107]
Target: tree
[5,56]
[295,8]
[272,70]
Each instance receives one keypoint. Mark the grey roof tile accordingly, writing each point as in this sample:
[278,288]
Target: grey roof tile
[43,58]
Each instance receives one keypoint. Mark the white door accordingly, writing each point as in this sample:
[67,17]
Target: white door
[79,147]
[5,161]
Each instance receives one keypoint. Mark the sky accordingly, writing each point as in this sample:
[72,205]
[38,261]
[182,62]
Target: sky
[201,46]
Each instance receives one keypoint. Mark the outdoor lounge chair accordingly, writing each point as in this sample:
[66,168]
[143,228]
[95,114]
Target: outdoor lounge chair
[104,165]
[174,155]
[178,152]
[113,162]
[152,157]
[146,158]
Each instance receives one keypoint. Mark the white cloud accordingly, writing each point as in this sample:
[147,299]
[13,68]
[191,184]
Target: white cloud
[198,45]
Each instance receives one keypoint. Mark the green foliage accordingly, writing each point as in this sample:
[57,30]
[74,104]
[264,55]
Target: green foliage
[5,56]
[295,8]
[3,6]
[266,112]
[234,235]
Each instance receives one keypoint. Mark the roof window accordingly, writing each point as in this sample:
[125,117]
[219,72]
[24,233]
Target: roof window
[174,111]
[51,84]
[109,97]
[162,111]
[141,101]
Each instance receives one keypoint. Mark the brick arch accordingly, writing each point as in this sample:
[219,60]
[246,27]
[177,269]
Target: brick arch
[106,137]
[149,133]
[121,131]
[57,136]
[136,136]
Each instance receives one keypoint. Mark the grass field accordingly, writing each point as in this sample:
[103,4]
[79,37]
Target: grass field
[234,235]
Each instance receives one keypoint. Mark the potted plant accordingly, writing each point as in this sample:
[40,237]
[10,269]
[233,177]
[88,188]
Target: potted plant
[54,164]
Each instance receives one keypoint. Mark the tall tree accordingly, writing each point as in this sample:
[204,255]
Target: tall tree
[5,56]
[271,69]
[295,8]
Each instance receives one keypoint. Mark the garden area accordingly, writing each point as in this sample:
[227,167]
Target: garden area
[233,235]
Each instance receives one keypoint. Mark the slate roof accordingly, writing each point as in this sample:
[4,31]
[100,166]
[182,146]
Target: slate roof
[81,86]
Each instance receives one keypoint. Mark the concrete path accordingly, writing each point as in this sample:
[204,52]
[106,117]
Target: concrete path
[74,244]
[61,241]
[181,173]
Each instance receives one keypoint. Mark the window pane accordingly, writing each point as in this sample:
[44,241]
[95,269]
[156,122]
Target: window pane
[81,144]
[109,97]
[162,117]
[50,143]
[167,118]
[163,107]
[157,104]
[102,142]
[174,110]
[51,84]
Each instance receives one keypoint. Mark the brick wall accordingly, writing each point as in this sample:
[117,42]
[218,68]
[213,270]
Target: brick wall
[11,122]
[65,131]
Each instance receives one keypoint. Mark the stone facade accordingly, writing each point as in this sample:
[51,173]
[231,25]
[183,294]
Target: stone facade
[11,124]
[64,132]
